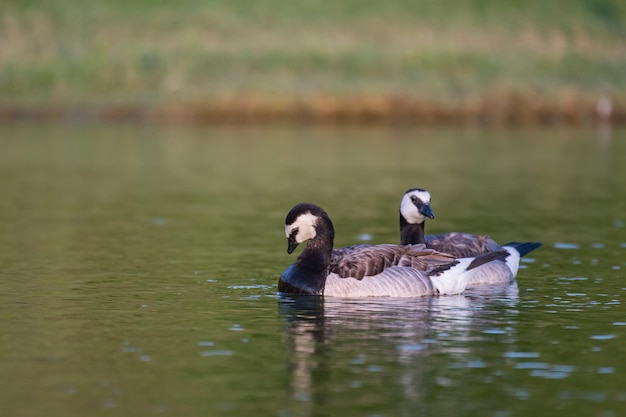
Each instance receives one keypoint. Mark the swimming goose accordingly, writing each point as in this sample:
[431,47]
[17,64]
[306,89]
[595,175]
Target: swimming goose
[369,270]
[415,208]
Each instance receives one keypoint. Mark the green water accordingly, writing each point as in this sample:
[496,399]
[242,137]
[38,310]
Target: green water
[138,271]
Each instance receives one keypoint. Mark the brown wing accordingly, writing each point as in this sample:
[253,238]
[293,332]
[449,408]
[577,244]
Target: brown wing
[369,260]
[427,260]
[462,245]
[365,260]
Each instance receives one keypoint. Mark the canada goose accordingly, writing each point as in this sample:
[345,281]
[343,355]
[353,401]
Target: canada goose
[369,270]
[415,208]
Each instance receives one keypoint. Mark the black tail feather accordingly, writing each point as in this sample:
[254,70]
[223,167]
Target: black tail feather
[524,247]
[500,254]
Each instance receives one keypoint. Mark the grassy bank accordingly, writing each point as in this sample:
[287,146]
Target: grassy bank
[203,60]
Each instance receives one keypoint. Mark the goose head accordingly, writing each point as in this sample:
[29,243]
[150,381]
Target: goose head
[415,206]
[303,222]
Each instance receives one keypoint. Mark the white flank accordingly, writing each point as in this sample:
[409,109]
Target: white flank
[512,260]
[394,281]
[455,279]
[492,273]
[306,227]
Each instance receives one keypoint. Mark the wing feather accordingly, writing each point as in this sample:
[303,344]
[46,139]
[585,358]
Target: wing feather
[364,260]
[461,245]
[369,260]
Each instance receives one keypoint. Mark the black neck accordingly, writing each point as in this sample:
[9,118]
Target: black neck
[411,233]
[312,267]
[316,256]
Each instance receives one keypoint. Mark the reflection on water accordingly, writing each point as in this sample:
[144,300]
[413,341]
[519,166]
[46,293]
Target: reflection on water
[406,332]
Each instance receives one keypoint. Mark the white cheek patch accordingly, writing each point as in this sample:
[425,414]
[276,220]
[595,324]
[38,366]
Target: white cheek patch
[408,209]
[305,223]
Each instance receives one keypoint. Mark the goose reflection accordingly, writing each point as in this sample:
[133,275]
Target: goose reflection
[334,344]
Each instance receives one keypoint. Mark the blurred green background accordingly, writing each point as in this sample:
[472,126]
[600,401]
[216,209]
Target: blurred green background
[528,62]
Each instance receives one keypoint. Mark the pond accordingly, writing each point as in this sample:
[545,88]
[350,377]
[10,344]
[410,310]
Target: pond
[138,272]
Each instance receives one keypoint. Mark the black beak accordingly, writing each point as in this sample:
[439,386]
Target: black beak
[426,211]
[291,244]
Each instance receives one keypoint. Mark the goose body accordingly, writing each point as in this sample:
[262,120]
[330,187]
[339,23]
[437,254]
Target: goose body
[415,209]
[369,270]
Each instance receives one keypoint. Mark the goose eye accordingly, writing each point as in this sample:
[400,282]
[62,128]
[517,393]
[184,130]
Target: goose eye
[293,233]
[413,199]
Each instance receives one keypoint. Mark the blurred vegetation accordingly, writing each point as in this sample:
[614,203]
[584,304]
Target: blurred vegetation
[277,53]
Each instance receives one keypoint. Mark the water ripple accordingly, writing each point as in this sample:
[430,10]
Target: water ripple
[365,237]
[208,353]
[236,328]
[494,331]
[564,245]
[549,374]
[250,287]
[411,348]
[521,355]
[603,336]
[532,365]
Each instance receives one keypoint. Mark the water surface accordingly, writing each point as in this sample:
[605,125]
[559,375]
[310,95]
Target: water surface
[138,271]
